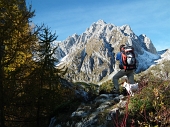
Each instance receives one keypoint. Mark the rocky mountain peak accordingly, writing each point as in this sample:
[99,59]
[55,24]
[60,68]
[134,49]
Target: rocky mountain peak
[90,57]
[98,28]
[147,44]
[126,29]
[101,22]
[164,56]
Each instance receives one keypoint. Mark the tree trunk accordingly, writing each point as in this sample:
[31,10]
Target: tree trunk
[2,124]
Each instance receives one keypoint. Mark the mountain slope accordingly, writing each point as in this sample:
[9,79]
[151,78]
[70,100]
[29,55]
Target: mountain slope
[90,57]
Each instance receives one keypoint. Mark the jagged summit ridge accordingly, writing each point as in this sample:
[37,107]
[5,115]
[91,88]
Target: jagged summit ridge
[90,57]
[99,29]
[100,21]
[126,29]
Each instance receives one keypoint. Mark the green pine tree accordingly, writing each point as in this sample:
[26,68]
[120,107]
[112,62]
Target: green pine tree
[47,76]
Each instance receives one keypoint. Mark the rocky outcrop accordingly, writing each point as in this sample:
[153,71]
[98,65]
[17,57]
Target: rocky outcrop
[103,111]
[147,44]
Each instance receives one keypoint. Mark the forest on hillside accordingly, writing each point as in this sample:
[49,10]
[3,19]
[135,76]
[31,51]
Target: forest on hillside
[30,87]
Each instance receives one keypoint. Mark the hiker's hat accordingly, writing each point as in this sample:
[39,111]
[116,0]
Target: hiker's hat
[122,47]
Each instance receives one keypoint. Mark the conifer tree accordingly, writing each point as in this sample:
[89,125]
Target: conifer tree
[27,85]
[15,41]
[46,58]
[46,72]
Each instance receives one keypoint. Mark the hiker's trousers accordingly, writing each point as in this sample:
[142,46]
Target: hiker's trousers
[121,73]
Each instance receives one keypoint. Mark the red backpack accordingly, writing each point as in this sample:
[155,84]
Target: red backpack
[128,58]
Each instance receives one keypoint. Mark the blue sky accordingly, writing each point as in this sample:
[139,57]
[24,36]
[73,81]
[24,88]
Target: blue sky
[66,17]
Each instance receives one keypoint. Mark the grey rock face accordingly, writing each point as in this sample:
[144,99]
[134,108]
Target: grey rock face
[105,107]
[147,44]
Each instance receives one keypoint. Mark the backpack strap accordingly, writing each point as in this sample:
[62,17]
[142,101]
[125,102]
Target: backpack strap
[124,62]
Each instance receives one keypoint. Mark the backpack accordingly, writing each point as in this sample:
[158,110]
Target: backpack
[128,58]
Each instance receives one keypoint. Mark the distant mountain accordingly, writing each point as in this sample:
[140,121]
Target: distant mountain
[90,57]
[165,55]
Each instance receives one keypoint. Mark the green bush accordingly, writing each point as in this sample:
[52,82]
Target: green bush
[150,106]
[107,86]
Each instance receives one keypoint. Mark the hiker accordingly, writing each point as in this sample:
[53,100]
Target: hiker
[124,71]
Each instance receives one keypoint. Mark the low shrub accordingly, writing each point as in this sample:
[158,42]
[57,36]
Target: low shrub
[150,106]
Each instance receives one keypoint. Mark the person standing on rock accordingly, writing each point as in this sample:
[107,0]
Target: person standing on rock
[123,70]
